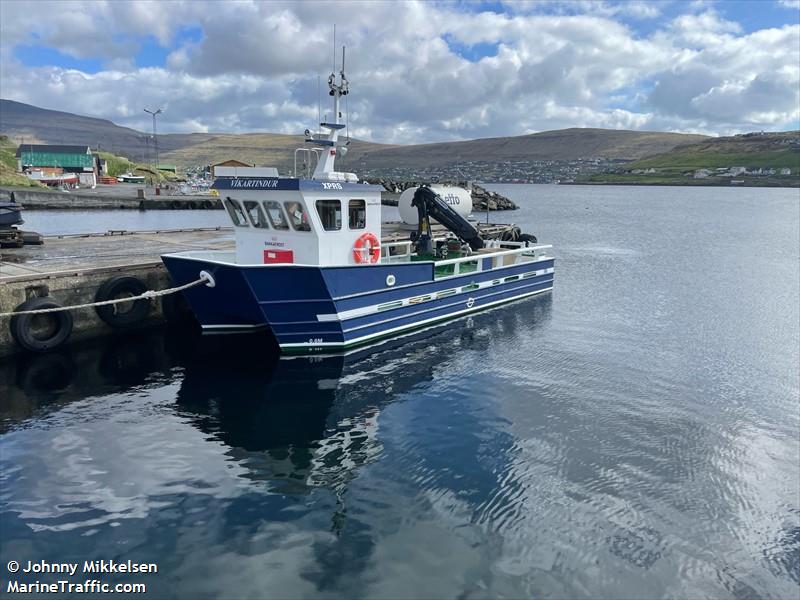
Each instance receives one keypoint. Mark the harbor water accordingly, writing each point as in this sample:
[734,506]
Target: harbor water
[633,434]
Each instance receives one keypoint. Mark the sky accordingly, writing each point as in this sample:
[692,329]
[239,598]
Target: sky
[419,71]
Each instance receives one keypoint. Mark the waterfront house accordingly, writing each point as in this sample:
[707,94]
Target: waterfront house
[229,163]
[50,161]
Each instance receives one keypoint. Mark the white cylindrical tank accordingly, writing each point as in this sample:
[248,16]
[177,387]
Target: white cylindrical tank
[458,198]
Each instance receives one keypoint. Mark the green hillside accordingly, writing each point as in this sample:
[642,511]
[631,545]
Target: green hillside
[774,151]
[8,165]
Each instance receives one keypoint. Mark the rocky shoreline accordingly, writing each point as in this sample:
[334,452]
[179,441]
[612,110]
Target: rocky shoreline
[482,199]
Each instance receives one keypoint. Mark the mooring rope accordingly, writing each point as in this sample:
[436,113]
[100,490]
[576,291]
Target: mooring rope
[204,278]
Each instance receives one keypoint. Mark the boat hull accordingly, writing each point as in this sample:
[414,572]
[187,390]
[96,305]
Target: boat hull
[313,309]
[10,214]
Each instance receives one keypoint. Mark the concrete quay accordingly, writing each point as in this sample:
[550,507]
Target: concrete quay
[70,269]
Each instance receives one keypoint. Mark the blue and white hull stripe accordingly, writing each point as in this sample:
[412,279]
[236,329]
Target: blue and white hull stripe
[310,308]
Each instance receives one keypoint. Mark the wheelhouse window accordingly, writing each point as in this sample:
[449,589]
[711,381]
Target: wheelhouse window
[275,214]
[298,216]
[235,212]
[256,214]
[330,213]
[357,214]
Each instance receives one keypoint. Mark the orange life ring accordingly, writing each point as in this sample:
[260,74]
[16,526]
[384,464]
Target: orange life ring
[367,249]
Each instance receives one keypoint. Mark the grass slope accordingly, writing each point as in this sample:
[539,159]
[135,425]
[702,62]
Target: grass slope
[8,165]
[769,150]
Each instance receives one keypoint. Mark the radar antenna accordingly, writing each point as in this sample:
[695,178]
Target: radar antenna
[338,86]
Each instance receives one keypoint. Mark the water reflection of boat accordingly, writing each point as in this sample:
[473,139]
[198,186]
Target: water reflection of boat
[313,421]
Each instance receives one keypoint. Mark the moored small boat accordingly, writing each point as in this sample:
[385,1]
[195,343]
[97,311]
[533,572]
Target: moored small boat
[314,263]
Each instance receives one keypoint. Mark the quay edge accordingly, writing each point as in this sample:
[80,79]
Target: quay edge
[38,199]
[79,287]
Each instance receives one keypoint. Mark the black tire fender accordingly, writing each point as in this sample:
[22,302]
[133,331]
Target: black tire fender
[122,316]
[22,326]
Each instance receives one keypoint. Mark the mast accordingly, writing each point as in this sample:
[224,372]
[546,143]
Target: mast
[337,87]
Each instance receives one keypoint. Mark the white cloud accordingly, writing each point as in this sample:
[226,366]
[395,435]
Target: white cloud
[637,9]
[702,30]
[741,82]
[256,68]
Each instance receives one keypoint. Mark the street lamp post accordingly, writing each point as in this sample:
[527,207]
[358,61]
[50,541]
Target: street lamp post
[155,139]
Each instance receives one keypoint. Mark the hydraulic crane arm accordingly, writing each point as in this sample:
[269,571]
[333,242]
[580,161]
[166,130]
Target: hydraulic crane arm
[430,204]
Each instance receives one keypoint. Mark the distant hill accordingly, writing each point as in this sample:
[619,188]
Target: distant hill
[18,120]
[21,121]
[564,145]
[560,145]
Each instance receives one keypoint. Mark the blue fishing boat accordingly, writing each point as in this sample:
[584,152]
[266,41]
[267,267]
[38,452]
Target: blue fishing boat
[314,263]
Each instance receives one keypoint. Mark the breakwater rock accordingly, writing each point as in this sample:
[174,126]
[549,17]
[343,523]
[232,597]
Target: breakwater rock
[481,197]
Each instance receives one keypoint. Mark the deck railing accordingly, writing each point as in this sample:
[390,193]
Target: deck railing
[403,256]
[499,258]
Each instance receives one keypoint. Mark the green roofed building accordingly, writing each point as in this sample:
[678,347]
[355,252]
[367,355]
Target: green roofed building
[69,158]
[48,162]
